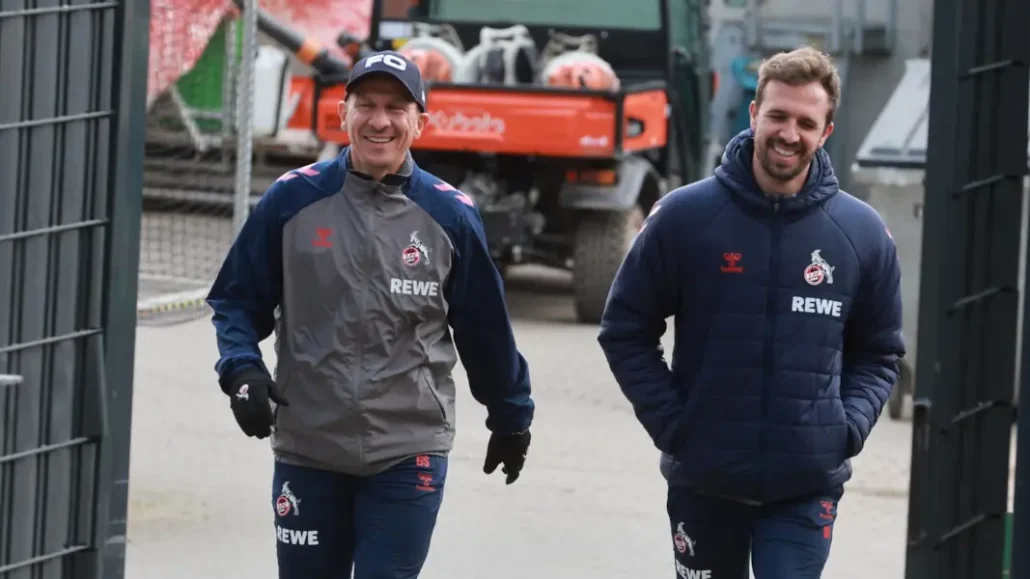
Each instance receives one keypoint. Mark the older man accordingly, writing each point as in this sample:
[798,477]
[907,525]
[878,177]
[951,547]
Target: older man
[381,276]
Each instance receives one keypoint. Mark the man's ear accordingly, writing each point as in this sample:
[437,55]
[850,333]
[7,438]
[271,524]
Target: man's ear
[826,133]
[341,108]
[753,110]
[420,124]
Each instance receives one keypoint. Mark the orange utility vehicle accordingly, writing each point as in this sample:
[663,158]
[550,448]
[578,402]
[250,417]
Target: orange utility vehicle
[564,120]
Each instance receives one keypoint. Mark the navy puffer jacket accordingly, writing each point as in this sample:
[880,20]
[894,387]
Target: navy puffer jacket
[787,331]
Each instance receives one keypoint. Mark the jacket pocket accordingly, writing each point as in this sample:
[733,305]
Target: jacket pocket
[427,382]
[685,426]
[404,405]
[282,384]
[844,446]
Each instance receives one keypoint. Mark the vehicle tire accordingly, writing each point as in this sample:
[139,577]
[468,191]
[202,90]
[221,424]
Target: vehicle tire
[601,242]
[896,403]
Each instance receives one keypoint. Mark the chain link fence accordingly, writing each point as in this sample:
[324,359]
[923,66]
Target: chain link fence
[197,173]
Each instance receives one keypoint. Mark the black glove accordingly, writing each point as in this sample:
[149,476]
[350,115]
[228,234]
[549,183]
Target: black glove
[249,394]
[509,450]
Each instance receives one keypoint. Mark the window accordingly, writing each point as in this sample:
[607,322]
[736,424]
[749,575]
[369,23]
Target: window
[625,14]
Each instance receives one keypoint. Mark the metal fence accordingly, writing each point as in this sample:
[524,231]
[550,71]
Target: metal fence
[197,180]
[73,78]
[970,293]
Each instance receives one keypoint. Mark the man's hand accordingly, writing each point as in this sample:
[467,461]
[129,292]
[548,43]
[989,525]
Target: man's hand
[249,398]
[509,450]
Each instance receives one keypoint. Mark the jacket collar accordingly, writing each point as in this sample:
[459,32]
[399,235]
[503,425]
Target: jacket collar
[736,174]
[398,179]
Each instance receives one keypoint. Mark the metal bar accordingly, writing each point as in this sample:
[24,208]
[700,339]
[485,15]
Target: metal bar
[47,448]
[978,297]
[987,182]
[195,197]
[979,409]
[26,12]
[244,115]
[51,340]
[920,471]
[53,229]
[1020,563]
[228,112]
[189,165]
[926,497]
[55,120]
[43,558]
[989,67]
[186,116]
[115,303]
[918,164]
[108,527]
[966,526]
[10,380]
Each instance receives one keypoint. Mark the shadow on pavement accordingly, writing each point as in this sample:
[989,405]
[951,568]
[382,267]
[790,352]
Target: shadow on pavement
[539,294]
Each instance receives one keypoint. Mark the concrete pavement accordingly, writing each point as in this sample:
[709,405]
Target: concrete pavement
[590,504]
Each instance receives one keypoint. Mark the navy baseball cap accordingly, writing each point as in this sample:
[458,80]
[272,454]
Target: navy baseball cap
[395,65]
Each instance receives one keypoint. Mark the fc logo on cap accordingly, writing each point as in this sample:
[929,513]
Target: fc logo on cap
[390,60]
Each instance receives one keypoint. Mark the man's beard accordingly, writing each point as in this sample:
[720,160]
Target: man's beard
[779,172]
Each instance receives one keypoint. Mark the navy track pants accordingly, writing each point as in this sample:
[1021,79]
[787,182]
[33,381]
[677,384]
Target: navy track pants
[329,524]
[714,538]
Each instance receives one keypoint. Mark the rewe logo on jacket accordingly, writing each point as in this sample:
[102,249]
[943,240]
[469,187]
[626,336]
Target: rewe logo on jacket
[815,306]
[411,287]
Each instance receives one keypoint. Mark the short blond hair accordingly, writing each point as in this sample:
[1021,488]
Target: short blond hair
[799,67]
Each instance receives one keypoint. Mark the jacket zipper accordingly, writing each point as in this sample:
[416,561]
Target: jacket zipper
[369,237]
[770,336]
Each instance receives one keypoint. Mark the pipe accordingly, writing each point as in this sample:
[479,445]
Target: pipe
[307,49]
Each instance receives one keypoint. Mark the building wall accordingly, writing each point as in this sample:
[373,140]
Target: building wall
[869,80]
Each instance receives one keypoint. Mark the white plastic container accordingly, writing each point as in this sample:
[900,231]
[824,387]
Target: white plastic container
[271,90]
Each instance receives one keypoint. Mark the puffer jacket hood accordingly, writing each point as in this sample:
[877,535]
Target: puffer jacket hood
[735,174]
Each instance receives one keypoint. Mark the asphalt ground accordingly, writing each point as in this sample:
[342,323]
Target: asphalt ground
[590,503]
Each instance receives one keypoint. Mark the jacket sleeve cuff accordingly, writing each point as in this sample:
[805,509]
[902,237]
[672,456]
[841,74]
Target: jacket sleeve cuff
[243,373]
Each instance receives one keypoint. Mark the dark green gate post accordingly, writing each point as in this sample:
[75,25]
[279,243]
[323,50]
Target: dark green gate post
[123,272]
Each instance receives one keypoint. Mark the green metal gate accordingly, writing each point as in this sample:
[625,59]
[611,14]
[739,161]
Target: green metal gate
[72,114]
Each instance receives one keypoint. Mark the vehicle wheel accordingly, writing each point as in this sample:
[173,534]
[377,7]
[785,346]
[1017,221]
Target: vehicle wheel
[896,403]
[602,240]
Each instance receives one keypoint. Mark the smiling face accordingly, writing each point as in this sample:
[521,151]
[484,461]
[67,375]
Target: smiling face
[792,116]
[789,125]
[381,120]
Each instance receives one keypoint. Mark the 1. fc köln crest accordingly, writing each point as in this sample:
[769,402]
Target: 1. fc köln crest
[287,502]
[415,252]
[819,270]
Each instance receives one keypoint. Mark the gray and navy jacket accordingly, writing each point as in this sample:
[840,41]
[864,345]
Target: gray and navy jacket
[373,289]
